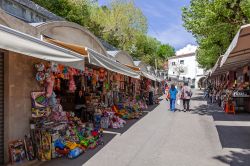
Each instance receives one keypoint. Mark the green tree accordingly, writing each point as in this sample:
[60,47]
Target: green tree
[165,51]
[122,21]
[214,24]
[77,11]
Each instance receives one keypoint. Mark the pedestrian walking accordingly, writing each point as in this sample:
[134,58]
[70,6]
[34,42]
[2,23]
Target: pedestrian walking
[186,95]
[167,92]
[173,93]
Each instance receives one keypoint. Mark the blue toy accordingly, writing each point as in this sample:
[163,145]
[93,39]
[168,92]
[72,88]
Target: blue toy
[75,153]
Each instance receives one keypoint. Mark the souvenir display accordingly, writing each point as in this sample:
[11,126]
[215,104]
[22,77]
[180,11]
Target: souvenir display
[17,151]
[29,148]
[109,99]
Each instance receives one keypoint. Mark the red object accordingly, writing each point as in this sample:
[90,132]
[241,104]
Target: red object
[64,151]
[94,133]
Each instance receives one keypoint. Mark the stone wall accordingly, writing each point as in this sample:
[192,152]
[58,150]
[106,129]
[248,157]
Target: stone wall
[19,83]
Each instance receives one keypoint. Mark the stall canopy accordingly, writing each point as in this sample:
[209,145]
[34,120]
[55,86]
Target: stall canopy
[217,69]
[149,76]
[238,53]
[19,42]
[96,58]
[133,68]
[110,64]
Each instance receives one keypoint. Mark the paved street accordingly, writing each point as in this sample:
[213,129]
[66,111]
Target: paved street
[164,138]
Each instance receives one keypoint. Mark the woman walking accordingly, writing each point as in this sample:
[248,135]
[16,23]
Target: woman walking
[173,93]
[186,95]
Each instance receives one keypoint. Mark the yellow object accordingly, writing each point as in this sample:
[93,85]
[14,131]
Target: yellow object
[71,145]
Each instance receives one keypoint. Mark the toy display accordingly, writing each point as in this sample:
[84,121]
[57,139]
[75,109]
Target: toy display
[17,151]
[56,131]
[29,148]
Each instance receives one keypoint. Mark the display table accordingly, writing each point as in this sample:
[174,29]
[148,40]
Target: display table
[241,99]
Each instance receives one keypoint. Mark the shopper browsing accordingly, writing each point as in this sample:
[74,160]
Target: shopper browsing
[79,103]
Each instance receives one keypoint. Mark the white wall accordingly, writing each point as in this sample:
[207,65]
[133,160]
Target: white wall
[190,66]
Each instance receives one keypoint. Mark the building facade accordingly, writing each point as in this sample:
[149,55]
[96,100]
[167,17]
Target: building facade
[185,68]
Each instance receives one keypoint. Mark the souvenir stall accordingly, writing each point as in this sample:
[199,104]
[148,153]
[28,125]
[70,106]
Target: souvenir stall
[241,93]
[54,131]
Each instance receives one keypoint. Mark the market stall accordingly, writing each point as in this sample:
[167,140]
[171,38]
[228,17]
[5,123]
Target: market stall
[231,72]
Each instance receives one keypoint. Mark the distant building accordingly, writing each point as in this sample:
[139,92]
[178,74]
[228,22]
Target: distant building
[185,68]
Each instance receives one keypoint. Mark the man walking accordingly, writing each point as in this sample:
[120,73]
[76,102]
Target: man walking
[186,95]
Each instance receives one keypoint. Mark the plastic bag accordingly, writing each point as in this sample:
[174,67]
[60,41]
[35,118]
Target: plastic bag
[178,102]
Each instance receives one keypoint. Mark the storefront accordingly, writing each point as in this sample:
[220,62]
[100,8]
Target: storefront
[86,68]
[231,73]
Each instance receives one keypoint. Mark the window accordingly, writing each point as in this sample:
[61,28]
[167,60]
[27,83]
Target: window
[182,62]
[173,63]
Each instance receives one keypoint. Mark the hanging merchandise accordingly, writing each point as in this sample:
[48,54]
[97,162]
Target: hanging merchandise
[95,78]
[72,85]
[40,77]
[40,67]
[102,74]
[57,85]
[50,84]
[39,99]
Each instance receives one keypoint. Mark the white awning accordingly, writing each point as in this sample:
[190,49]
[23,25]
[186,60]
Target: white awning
[19,42]
[110,64]
[238,53]
[217,69]
[149,76]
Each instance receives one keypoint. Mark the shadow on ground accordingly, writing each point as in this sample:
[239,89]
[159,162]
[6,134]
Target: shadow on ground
[234,136]
[235,158]
[79,161]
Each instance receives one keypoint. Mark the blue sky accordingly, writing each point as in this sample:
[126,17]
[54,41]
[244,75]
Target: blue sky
[164,21]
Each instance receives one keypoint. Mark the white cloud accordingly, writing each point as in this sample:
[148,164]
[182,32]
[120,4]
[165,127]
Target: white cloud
[186,50]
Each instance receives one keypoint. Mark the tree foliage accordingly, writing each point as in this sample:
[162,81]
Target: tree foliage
[214,24]
[120,23]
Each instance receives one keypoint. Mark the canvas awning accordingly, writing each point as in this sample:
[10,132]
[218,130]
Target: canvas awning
[110,64]
[238,53]
[149,76]
[76,48]
[19,42]
[217,69]
[96,58]
[133,68]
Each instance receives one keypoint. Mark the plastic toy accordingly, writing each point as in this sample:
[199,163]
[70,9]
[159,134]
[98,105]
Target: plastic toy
[85,143]
[59,144]
[17,152]
[40,67]
[71,145]
[75,153]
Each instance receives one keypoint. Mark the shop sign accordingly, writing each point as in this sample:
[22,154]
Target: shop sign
[241,94]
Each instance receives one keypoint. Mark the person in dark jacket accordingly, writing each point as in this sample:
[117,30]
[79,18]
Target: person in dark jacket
[79,103]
